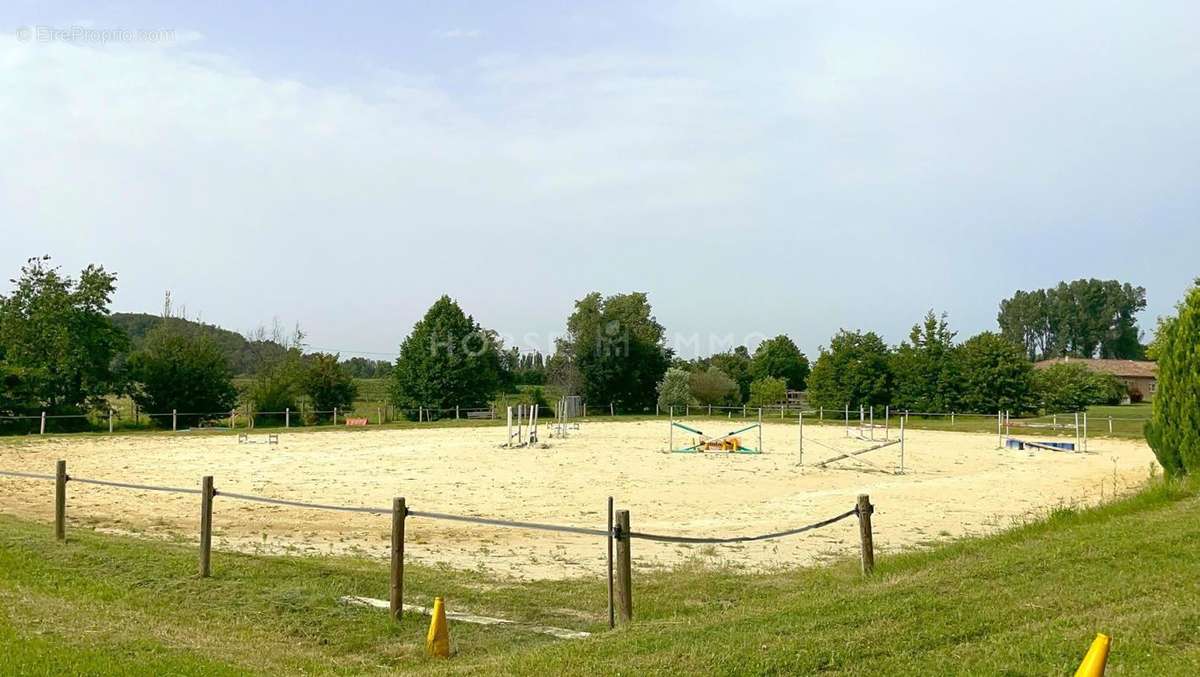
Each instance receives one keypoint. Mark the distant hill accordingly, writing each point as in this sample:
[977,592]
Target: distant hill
[244,355]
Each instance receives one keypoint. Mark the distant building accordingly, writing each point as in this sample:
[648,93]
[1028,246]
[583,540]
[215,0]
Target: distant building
[1138,376]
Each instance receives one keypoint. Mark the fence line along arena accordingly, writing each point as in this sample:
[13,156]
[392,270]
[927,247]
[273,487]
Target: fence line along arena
[932,485]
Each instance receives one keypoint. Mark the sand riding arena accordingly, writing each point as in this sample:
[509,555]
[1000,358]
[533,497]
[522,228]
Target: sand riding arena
[953,484]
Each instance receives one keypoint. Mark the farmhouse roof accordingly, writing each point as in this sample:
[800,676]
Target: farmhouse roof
[1125,368]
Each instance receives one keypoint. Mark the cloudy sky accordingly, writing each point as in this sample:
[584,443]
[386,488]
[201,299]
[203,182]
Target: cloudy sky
[757,168]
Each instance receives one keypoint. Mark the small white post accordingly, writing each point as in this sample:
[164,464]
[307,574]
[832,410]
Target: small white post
[509,443]
[999,429]
[887,420]
[951,419]
[1110,425]
[43,428]
[872,422]
[612,409]
[456,412]
[174,419]
[801,417]
[847,419]
[335,415]
[1078,446]
[821,414]
[671,434]
[110,419]
[901,446]
[1085,431]
[1007,423]
[232,418]
[287,417]
[710,410]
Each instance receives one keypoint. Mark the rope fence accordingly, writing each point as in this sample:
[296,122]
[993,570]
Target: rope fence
[618,533]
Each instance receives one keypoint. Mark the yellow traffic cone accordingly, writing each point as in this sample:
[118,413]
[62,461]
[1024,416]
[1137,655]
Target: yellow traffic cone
[437,642]
[1096,657]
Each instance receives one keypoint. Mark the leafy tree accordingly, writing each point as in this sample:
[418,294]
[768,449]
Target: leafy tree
[674,390]
[57,343]
[855,370]
[448,360]
[926,367]
[327,383]
[1173,430]
[277,387]
[712,386]
[1084,318]
[780,358]
[187,373]
[618,349]
[1071,386]
[361,367]
[995,375]
[736,363]
[768,391]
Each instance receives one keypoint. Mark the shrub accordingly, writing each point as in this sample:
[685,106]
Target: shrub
[1068,386]
[712,386]
[187,373]
[674,390]
[768,391]
[327,383]
[995,375]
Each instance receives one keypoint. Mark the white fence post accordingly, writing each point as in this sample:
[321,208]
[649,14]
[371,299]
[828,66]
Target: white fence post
[110,421]
[287,417]
[174,420]
[43,428]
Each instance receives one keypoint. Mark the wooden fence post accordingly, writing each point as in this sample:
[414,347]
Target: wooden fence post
[396,589]
[206,501]
[611,610]
[60,500]
[624,582]
[864,531]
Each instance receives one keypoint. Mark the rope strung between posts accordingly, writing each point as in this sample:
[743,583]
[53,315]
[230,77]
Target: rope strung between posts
[125,485]
[508,523]
[26,475]
[301,504]
[742,539]
[538,526]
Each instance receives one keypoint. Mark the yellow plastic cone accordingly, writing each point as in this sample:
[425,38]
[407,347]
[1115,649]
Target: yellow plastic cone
[437,642]
[1096,657]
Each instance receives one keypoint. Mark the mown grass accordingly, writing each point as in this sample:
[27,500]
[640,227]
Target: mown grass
[1027,601]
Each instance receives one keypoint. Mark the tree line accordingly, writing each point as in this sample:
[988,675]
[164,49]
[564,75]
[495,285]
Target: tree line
[61,352]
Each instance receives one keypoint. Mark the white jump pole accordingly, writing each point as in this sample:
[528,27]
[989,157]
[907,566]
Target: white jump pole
[872,422]
[1085,447]
[887,421]
[999,429]
[509,442]
[1078,446]
[671,435]
[901,446]
[847,419]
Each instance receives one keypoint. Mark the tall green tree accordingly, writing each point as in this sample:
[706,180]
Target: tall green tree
[1083,318]
[57,343]
[327,382]
[448,360]
[1173,430]
[779,357]
[618,348]
[188,373]
[926,367]
[855,370]
[996,375]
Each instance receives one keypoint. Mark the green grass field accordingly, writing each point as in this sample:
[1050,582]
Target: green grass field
[1027,601]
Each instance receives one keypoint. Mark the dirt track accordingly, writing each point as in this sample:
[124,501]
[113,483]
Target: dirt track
[955,484]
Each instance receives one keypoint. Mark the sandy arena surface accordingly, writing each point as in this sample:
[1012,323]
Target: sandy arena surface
[955,484]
